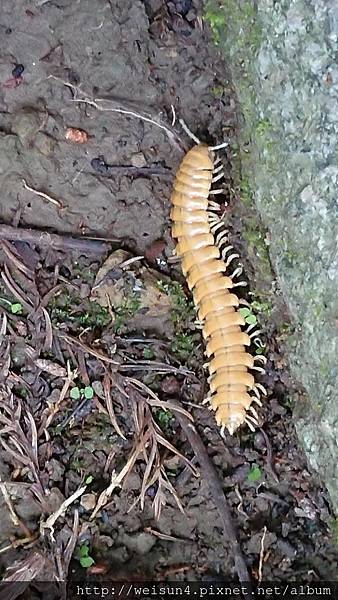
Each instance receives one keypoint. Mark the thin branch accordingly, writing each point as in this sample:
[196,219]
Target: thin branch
[50,522]
[209,473]
[53,240]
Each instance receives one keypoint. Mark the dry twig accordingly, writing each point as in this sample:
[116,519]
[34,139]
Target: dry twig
[209,473]
[53,240]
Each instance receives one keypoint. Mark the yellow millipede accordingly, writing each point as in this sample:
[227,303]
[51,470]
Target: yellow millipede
[195,225]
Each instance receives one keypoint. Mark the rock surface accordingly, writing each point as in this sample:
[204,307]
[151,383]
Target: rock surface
[286,77]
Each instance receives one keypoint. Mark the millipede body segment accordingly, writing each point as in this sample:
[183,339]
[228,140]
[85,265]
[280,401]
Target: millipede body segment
[194,225]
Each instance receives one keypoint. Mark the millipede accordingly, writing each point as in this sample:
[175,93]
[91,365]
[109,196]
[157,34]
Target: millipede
[202,245]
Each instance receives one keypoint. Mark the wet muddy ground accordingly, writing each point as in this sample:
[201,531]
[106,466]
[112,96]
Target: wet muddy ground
[81,330]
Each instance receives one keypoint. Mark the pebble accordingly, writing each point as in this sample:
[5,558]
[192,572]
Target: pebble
[170,385]
[88,501]
[138,160]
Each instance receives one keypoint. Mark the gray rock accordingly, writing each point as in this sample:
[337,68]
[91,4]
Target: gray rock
[283,59]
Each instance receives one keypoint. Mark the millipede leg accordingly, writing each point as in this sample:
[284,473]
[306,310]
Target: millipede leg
[255,332]
[258,369]
[237,272]
[219,146]
[230,259]
[244,302]
[214,205]
[262,388]
[252,424]
[256,392]
[259,344]
[219,168]
[219,224]
[220,239]
[219,191]
[260,358]
[218,177]
[254,412]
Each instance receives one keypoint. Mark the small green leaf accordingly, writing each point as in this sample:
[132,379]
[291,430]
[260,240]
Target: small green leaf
[254,474]
[16,308]
[86,561]
[245,312]
[84,550]
[75,393]
[251,320]
[88,392]
[89,479]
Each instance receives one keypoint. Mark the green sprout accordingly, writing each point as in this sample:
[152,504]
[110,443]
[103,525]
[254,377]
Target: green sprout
[254,474]
[84,557]
[76,393]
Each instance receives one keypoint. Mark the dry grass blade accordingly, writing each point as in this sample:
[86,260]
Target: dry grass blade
[69,550]
[8,250]
[71,340]
[14,517]
[27,569]
[5,360]
[51,367]
[20,445]
[52,410]
[22,572]
[116,481]
[109,405]
[152,365]
[50,522]
[15,290]
[163,536]
[26,541]
[155,400]
[49,331]
[148,442]
[261,556]
[42,194]
[3,327]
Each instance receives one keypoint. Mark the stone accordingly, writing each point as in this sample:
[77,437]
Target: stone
[283,60]
[88,501]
